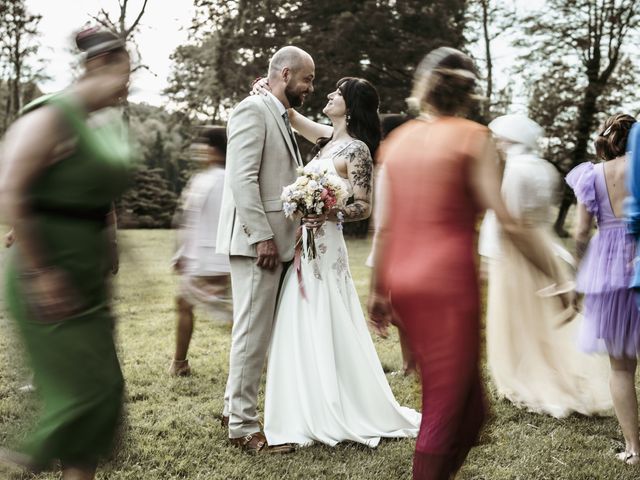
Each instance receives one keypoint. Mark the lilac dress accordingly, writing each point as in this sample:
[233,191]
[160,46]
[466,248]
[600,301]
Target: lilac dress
[611,318]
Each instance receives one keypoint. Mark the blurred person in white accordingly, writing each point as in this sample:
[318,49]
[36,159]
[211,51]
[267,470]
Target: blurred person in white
[204,274]
[532,353]
[388,123]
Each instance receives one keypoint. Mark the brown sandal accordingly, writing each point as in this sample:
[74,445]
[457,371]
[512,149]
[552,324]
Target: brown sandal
[256,443]
[253,443]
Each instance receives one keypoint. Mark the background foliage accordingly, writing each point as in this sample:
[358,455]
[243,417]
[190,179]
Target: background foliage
[576,64]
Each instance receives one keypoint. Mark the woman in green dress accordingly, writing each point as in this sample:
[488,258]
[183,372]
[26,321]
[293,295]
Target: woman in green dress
[59,177]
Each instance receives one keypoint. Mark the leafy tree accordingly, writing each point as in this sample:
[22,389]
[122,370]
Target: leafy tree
[126,31]
[381,41]
[578,47]
[18,28]
[150,203]
[486,21]
[231,43]
[162,142]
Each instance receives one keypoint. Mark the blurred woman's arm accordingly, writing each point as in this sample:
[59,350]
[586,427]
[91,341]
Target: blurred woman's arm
[584,223]
[23,160]
[378,304]
[485,182]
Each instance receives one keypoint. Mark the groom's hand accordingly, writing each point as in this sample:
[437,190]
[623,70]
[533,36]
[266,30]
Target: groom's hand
[268,257]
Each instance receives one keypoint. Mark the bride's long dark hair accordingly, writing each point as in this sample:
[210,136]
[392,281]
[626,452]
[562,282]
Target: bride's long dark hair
[362,101]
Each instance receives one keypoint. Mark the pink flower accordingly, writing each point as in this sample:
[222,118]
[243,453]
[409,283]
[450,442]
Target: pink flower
[330,202]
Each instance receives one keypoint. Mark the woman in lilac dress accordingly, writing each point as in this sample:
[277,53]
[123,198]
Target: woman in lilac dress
[611,318]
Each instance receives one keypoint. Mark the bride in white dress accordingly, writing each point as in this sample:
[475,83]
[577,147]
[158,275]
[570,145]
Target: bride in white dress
[325,382]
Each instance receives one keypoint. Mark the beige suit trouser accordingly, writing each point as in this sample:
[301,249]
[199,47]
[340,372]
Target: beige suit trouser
[255,294]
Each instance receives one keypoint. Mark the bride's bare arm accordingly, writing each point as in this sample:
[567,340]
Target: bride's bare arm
[306,127]
[309,129]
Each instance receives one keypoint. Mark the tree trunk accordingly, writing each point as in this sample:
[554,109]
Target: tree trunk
[487,52]
[16,101]
[586,116]
[565,205]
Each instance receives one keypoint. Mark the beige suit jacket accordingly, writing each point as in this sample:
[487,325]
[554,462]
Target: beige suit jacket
[261,160]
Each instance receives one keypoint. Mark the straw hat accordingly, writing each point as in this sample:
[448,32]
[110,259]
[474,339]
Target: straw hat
[517,128]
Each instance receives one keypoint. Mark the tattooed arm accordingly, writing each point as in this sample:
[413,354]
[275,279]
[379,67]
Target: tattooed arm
[359,172]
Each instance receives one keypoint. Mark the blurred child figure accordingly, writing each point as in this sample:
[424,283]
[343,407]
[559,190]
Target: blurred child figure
[533,358]
[388,123]
[204,274]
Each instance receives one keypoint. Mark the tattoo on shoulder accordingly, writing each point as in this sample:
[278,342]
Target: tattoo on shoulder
[360,165]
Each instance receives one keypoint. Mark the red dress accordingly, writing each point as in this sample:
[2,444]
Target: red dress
[429,267]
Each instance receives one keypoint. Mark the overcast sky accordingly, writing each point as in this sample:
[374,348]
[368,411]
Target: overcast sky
[163,28]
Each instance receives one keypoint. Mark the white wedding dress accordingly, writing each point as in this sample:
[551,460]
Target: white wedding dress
[325,382]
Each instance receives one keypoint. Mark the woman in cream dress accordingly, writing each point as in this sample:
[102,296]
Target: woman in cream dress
[531,349]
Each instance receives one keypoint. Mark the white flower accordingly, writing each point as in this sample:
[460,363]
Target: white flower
[289,208]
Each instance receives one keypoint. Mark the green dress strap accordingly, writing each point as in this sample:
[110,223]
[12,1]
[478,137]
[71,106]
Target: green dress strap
[74,115]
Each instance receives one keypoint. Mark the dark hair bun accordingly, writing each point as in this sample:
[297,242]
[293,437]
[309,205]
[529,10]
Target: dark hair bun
[612,139]
[95,41]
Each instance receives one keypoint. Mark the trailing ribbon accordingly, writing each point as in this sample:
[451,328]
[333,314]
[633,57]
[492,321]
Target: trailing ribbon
[297,260]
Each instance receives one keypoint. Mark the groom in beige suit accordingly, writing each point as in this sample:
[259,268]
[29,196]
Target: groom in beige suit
[262,157]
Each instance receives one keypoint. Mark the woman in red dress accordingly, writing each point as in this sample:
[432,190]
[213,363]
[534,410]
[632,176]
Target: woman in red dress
[442,172]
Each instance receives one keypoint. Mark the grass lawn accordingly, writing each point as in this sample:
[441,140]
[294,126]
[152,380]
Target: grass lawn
[171,432]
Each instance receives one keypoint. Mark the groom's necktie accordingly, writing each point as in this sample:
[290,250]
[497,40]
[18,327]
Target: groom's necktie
[287,123]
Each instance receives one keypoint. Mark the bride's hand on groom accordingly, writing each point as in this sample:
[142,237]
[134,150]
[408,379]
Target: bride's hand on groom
[380,314]
[268,257]
[260,86]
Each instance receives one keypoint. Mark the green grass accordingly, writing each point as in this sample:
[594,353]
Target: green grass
[171,432]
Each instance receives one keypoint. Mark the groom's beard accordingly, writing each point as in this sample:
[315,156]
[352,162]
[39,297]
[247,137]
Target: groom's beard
[294,98]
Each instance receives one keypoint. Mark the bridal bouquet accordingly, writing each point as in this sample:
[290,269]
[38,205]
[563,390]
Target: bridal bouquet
[315,191]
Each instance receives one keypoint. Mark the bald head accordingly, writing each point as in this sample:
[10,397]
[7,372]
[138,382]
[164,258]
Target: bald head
[290,57]
[291,74]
